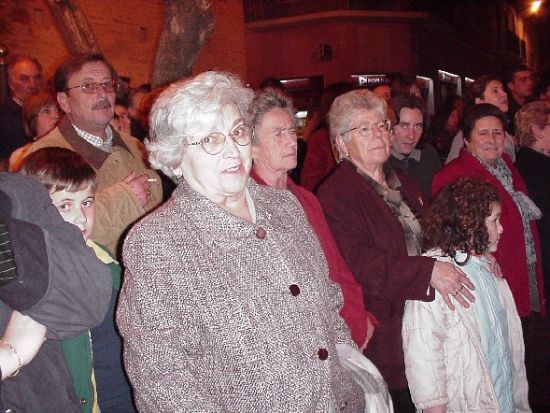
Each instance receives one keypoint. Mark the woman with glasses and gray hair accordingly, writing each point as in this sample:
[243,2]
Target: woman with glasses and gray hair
[373,213]
[226,304]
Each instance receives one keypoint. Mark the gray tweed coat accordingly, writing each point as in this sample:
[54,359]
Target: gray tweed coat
[221,315]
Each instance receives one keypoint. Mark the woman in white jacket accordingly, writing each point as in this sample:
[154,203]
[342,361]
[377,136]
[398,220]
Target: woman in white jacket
[469,359]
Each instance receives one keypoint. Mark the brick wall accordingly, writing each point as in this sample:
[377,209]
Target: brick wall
[127,32]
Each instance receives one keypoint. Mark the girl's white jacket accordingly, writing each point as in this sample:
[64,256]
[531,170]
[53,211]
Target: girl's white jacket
[445,363]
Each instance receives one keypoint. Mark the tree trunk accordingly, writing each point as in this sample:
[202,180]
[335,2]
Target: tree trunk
[73,26]
[187,26]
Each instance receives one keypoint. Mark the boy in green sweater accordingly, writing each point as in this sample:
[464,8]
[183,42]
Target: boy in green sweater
[94,357]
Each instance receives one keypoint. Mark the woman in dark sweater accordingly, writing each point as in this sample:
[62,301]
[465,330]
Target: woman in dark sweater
[372,212]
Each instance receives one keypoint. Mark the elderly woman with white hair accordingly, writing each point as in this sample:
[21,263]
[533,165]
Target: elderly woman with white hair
[373,212]
[226,304]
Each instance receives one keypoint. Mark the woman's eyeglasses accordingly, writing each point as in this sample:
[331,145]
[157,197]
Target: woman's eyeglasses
[214,142]
[89,88]
[368,129]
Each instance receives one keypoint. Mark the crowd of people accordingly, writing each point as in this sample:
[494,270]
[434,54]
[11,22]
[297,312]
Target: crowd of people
[180,250]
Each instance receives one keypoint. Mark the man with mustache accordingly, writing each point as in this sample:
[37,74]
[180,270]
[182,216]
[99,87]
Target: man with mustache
[127,188]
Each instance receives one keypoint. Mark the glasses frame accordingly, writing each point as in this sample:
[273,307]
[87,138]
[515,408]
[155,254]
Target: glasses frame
[114,84]
[222,144]
[385,122]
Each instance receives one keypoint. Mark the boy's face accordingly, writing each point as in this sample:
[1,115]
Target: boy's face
[77,208]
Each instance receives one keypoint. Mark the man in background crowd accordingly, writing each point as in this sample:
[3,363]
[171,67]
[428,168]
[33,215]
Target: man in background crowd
[24,77]
[127,188]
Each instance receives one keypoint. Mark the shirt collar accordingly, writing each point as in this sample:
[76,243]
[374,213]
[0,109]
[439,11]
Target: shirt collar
[415,154]
[94,155]
[104,145]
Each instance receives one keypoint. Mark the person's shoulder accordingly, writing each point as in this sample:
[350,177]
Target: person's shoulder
[53,138]
[131,141]
[268,194]
[338,180]
[459,167]
[10,108]
[282,205]
[155,223]
[135,147]
[463,162]
[101,252]
[299,191]
[21,187]
[306,198]
[7,179]
[151,234]
[530,161]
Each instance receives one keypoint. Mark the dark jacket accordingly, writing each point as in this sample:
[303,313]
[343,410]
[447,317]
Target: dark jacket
[12,135]
[371,240]
[535,169]
[60,283]
[422,170]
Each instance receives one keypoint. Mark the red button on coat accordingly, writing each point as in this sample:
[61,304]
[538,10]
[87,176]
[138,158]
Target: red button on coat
[260,233]
[294,290]
[323,353]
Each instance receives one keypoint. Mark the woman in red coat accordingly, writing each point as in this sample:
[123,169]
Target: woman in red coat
[518,251]
[274,146]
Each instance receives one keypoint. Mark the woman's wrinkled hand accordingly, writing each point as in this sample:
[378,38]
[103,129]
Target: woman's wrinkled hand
[450,281]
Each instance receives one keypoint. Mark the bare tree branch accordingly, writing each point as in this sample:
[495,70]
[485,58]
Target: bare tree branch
[73,26]
[187,26]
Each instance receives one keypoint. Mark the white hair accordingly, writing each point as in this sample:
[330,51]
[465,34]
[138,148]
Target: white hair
[190,108]
[344,110]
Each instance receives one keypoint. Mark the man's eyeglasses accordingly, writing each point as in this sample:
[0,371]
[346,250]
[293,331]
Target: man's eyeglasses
[367,129]
[214,142]
[89,88]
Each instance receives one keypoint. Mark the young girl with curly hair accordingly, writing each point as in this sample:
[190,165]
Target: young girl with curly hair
[469,359]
